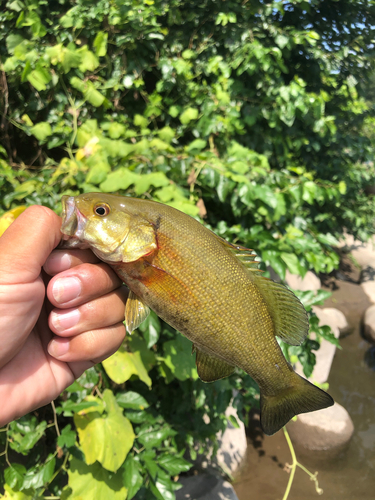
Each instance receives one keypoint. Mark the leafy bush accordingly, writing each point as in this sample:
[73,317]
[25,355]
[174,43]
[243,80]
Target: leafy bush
[254,117]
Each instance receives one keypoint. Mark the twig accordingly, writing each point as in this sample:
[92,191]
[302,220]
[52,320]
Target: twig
[293,467]
[5,452]
[55,418]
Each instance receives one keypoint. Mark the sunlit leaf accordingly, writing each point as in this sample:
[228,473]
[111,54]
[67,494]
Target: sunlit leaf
[93,481]
[106,437]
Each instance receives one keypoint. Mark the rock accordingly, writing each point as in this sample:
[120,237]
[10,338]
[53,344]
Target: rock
[363,253]
[367,274]
[369,324]
[337,318]
[370,357]
[323,430]
[232,445]
[326,352]
[205,487]
[309,282]
[369,288]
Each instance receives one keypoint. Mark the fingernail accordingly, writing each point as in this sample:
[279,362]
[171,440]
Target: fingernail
[57,262]
[66,289]
[63,320]
[58,347]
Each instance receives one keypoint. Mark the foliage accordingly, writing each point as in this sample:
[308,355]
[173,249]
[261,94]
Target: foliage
[256,118]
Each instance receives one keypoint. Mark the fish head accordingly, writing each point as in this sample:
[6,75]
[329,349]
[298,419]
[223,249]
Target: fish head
[105,224]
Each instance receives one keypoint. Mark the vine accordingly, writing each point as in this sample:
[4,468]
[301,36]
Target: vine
[292,469]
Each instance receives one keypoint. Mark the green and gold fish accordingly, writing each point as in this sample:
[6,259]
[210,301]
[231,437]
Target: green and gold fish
[206,288]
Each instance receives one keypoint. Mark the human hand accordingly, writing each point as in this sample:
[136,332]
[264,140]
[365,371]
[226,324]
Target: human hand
[51,330]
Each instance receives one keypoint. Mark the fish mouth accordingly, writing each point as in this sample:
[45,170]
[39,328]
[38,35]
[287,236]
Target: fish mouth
[73,224]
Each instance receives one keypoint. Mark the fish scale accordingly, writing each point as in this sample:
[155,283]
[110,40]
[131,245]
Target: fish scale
[209,290]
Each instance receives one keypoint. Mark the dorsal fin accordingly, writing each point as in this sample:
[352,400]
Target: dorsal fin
[288,314]
[245,255]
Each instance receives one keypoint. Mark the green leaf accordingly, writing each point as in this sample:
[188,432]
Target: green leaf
[153,439]
[39,78]
[41,130]
[100,44]
[178,357]
[10,494]
[309,192]
[93,481]
[12,41]
[174,111]
[291,260]
[166,134]
[138,344]
[132,400]
[116,130]
[70,405]
[265,194]
[39,476]
[89,61]
[151,329]
[188,115]
[132,477]
[93,96]
[196,146]
[14,475]
[98,173]
[29,439]
[122,365]
[342,187]
[328,239]
[156,179]
[107,438]
[273,257]
[162,486]
[232,419]
[174,465]
[121,178]
[140,121]
[70,59]
[67,437]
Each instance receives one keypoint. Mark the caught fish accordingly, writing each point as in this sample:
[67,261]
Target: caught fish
[208,289]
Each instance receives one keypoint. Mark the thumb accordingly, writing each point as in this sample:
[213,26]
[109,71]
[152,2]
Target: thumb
[26,244]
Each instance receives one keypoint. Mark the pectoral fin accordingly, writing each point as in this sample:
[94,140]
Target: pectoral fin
[211,368]
[136,311]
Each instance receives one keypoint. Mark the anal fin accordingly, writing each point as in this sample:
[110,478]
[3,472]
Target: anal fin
[211,368]
[136,311]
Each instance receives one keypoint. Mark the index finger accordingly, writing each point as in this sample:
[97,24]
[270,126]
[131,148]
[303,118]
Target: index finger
[26,244]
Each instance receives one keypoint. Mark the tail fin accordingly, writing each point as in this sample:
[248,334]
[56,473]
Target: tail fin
[301,397]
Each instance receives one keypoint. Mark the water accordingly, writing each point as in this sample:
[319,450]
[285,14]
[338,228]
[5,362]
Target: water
[349,476]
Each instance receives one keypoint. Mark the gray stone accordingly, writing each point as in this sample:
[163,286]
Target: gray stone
[232,445]
[337,318]
[367,274]
[369,288]
[205,487]
[363,253]
[309,282]
[326,352]
[324,430]
[369,324]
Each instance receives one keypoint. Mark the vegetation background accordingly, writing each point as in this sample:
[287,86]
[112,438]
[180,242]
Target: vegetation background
[256,118]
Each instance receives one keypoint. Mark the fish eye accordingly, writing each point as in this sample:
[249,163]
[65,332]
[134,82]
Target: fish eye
[102,209]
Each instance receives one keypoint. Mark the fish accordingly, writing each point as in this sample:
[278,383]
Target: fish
[208,289]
